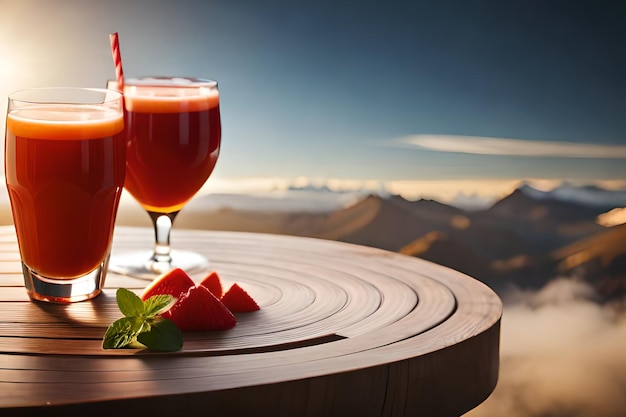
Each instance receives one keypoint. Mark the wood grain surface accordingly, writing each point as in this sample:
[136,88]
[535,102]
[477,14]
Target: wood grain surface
[343,330]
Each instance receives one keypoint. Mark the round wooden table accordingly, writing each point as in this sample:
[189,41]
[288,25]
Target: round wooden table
[343,330]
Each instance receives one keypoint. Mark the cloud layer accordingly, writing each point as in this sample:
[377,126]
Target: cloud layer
[561,355]
[512,147]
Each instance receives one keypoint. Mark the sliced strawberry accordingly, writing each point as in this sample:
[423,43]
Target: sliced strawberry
[175,282]
[238,300]
[213,284]
[200,310]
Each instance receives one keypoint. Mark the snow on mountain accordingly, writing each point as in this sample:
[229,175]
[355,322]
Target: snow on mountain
[321,198]
[586,195]
[277,201]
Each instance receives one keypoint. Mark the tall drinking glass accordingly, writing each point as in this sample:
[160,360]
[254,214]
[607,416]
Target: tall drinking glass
[174,134]
[64,168]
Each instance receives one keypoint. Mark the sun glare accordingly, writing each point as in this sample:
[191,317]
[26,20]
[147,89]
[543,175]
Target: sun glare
[7,64]
[7,74]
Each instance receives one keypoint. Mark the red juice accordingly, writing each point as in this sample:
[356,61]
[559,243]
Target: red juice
[174,139]
[64,180]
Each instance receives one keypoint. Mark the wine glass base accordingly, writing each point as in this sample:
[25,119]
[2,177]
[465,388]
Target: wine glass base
[141,265]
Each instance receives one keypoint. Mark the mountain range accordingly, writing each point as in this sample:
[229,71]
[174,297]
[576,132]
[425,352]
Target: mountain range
[525,239]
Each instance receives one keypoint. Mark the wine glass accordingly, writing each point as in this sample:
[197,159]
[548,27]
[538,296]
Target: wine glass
[174,132]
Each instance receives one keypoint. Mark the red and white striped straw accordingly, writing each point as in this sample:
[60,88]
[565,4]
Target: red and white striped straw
[117,60]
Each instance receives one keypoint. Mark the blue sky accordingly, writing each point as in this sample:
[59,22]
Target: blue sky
[362,90]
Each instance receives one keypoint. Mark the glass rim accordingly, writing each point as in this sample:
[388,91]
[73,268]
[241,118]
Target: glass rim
[170,81]
[29,95]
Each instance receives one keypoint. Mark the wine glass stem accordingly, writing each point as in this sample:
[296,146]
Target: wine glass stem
[162,223]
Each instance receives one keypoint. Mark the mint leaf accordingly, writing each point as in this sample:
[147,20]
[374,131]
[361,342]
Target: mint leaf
[163,336]
[158,304]
[129,303]
[142,325]
[122,332]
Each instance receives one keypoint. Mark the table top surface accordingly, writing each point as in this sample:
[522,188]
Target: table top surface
[343,329]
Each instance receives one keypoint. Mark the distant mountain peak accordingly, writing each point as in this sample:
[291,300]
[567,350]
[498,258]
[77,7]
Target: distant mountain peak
[588,195]
[310,187]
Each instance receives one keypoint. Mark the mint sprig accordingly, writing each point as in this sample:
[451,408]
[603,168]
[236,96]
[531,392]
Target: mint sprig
[142,325]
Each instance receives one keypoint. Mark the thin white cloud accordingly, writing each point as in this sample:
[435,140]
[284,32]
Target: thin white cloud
[513,147]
